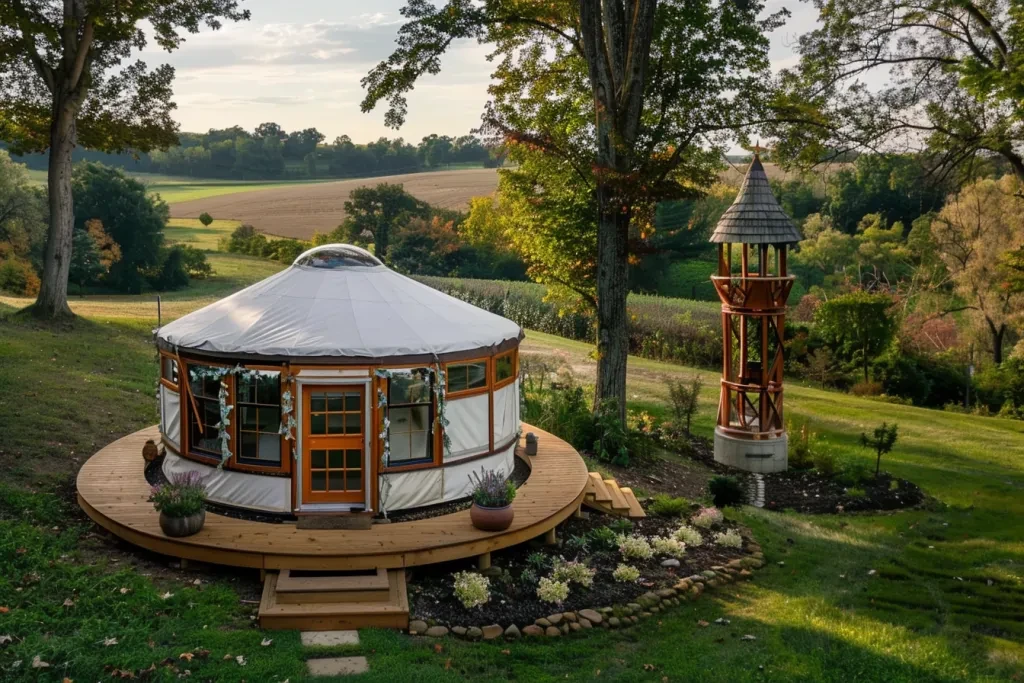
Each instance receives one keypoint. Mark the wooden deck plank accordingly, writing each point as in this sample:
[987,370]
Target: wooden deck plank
[636,511]
[597,488]
[113,490]
[618,500]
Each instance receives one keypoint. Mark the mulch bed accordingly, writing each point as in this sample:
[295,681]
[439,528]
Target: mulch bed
[513,601]
[812,492]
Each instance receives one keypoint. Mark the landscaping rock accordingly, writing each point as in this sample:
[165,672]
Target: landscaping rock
[474,633]
[670,562]
[533,630]
[337,666]
[329,638]
[635,619]
[683,585]
[585,623]
[591,616]
[512,632]
[655,609]
[746,573]
[666,593]
[695,577]
[708,574]
[648,599]
[735,564]
[574,626]
[552,631]
[437,631]
[492,632]
[632,607]
[569,616]
[542,622]
[417,626]
[491,571]
[555,619]
[646,615]
[614,622]
[459,630]
[565,627]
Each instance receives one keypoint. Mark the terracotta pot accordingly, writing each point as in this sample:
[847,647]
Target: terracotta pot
[182,526]
[491,519]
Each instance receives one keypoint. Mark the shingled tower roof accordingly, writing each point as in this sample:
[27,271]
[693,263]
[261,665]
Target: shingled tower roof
[755,217]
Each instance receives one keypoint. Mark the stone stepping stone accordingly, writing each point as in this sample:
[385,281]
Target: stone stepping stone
[337,666]
[329,638]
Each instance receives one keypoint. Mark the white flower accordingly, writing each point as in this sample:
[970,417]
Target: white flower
[550,590]
[625,573]
[472,589]
[688,535]
[635,547]
[668,546]
[729,539]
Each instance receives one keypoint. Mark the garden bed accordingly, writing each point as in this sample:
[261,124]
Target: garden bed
[514,573]
[813,492]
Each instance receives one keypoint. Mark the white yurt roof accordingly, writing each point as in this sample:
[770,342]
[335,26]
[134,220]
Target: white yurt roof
[339,301]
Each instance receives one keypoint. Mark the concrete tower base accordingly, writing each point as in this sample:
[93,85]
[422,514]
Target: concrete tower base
[763,455]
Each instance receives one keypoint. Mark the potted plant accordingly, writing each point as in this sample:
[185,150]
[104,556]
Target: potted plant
[180,504]
[492,501]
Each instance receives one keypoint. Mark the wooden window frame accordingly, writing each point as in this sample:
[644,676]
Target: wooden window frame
[188,414]
[165,381]
[434,431]
[437,440]
[464,393]
[514,354]
[285,466]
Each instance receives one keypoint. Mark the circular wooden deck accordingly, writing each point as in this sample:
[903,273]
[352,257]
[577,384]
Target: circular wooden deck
[113,491]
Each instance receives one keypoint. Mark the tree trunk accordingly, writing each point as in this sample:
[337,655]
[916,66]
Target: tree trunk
[52,301]
[997,341]
[612,289]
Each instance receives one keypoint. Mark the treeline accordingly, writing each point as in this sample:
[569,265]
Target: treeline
[269,152]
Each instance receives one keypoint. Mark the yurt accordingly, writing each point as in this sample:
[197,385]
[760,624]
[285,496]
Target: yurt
[338,385]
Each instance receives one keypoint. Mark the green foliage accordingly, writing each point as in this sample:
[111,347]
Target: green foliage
[172,271]
[372,213]
[245,239]
[86,266]
[577,545]
[612,439]
[665,505]
[538,561]
[881,441]
[853,472]
[182,496]
[134,219]
[685,396]
[18,277]
[858,326]
[726,491]
[603,538]
[205,218]
[825,461]
[491,489]
[802,447]
[854,492]
[22,216]
[620,526]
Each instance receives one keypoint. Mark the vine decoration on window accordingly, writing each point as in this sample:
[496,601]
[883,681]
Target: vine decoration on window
[223,397]
[437,378]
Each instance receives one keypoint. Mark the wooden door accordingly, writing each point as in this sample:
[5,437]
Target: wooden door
[333,443]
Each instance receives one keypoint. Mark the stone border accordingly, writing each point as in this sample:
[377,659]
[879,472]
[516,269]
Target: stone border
[616,616]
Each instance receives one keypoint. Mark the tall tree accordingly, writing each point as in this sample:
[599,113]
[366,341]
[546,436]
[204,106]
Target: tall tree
[857,325]
[64,81]
[953,81]
[377,209]
[632,96]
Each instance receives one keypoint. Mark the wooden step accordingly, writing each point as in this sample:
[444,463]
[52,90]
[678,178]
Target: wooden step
[309,610]
[332,586]
[597,489]
[636,511]
[618,500]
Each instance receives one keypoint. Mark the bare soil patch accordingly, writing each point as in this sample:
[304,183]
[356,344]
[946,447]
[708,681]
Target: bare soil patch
[300,210]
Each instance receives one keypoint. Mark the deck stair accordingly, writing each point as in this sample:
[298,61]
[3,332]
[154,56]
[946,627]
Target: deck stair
[607,496]
[328,601]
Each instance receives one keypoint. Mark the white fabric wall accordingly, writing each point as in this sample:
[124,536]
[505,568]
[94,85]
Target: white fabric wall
[506,413]
[467,426]
[241,489]
[170,415]
[432,486]
[456,477]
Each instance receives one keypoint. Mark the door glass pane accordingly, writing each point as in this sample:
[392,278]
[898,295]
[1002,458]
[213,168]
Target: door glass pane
[352,459]
[334,458]
[318,403]
[334,402]
[318,459]
[317,424]
[353,480]
[352,402]
[318,481]
[335,423]
[337,481]
[352,423]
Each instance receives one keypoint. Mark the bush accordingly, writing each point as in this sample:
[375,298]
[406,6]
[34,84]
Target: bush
[853,492]
[854,472]
[205,219]
[671,547]
[635,547]
[573,572]
[729,539]
[625,573]
[602,538]
[171,273]
[552,591]
[689,536]
[825,462]
[667,506]
[472,589]
[685,395]
[18,277]
[195,262]
[726,491]
[881,441]
[707,518]
[868,388]
[182,496]
[612,441]
[801,451]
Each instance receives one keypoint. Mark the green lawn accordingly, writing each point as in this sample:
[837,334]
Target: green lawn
[945,601]
[193,233]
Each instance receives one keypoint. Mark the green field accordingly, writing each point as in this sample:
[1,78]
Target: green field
[933,594]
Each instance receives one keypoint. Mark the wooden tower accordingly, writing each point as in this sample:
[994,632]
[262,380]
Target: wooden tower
[754,231]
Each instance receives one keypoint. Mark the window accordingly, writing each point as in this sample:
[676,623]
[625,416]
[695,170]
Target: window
[205,391]
[466,376]
[411,414]
[335,413]
[169,370]
[258,406]
[504,367]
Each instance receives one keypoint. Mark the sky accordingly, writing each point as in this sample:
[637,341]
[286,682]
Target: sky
[298,63]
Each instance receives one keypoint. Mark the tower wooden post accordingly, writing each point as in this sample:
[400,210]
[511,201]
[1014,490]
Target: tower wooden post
[751,433]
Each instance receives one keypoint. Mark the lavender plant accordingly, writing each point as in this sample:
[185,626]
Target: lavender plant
[182,496]
[491,489]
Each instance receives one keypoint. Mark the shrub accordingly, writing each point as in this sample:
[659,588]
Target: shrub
[635,547]
[688,535]
[625,573]
[539,561]
[881,441]
[685,395]
[729,539]
[528,578]
[18,277]
[171,273]
[621,525]
[561,409]
[853,472]
[577,545]
[195,263]
[491,489]
[854,492]
[726,491]
[801,451]
[867,388]
[182,496]
[472,589]
[707,518]
[612,442]
[205,219]
[668,546]
[825,462]
[667,506]
[603,538]
[553,591]
[573,572]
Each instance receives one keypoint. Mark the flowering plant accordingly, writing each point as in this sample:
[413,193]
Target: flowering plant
[491,489]
[625,573]
[472,589]
[688,535]
[729,539]
[668,546]
[182,496]
[550,590]
[635,547]
[574,572]
[707,518]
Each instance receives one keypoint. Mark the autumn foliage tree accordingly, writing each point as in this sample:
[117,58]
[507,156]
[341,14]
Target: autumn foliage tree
[66,80]
[628,102]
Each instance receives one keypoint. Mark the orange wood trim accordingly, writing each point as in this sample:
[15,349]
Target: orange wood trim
[285,466]
[490,418]
[467,392]
[332,442]
[170,385]
[494,369]
[183,374]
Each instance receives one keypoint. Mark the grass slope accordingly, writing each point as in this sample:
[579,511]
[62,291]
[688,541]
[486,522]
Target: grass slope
[924,595]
